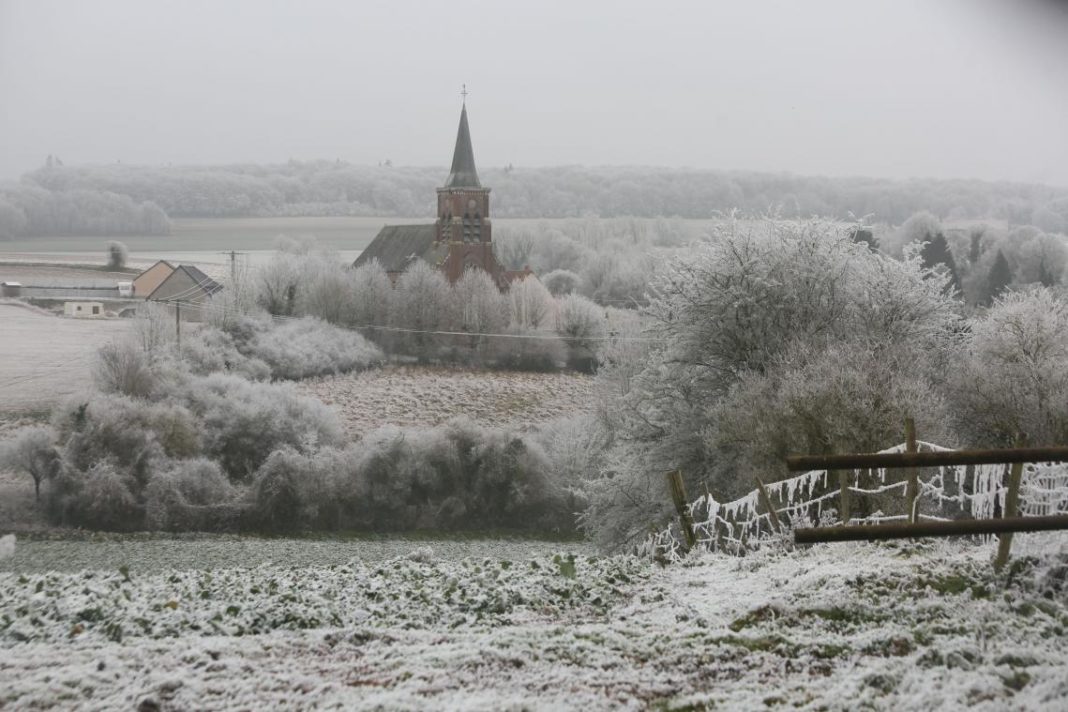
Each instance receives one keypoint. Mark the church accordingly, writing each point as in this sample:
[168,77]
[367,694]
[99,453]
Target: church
[462,236]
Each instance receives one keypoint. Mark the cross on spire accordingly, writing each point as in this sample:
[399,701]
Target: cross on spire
[464,92]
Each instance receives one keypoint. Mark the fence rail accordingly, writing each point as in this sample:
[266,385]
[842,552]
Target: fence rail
[948,490]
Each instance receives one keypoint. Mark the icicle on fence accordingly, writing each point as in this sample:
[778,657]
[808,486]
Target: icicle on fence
[812,498]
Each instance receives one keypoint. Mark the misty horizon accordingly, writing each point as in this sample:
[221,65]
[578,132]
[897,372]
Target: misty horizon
[889,90]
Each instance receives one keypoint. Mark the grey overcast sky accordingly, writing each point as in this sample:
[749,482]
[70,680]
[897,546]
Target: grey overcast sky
[892,88]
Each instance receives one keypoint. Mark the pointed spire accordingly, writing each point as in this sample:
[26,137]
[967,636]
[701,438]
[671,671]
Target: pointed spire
[463,173]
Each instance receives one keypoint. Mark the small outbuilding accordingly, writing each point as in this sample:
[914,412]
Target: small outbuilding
[10,289]
[83,310]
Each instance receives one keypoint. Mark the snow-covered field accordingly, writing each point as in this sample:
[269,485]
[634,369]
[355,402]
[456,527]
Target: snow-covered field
[427,396]
[841,627]
[44,359]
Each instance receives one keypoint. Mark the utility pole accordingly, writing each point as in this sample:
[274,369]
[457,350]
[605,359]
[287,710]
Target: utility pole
[233,265]
[178,325]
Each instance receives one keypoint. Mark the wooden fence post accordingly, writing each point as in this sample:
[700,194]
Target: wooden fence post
[1012,499]
[912,489]
[773,516]
[843,494]
[678,494]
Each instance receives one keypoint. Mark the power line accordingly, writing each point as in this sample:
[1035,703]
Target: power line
[219,308]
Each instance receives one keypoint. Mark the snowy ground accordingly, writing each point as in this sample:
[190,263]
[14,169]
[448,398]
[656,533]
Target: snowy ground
[426,396]
[839,627]
[44,359]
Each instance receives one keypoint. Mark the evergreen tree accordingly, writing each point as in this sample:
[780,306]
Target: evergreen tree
[999,280]
[936,252]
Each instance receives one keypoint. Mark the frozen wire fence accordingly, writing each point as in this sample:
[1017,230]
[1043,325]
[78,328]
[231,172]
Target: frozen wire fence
[950,492]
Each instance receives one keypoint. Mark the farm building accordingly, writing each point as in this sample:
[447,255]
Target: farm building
[83,310]
[188,290]
[146,282]
[462,236]
[10,289]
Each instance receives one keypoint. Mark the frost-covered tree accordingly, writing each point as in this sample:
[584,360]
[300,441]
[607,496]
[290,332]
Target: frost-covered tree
[583,326]
[531,305]
[561,282]
[478,308]
[372,292]
[513,248]
[1013,378]
[153,330]
[326,289]
[420,304]
[32,450]
[744,311]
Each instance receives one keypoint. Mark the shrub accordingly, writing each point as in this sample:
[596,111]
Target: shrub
[242,423]
[191,495]
[289,350]
[212,350]
[310,347]
[123,368]
[524,349]
[105,501]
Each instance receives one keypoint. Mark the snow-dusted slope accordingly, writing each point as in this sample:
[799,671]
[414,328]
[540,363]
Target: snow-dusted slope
[838,627]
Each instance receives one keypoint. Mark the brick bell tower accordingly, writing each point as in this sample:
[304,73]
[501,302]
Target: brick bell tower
[463,222]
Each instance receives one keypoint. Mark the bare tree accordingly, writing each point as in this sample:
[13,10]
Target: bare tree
[33,451]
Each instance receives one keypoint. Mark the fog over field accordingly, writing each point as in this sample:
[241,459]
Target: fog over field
[961,88]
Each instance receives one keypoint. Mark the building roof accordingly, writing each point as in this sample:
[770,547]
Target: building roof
[203,282]
[154,265]
[463,173]
[397,246]
[209,285]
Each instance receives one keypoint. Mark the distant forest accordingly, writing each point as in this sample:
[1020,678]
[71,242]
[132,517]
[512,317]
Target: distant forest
[121,199]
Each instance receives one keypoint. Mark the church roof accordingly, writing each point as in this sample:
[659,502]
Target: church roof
[463,173]
[397,246]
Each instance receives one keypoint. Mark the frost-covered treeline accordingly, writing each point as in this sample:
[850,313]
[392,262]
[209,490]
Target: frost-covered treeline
[191,440]
[470,322]
[27,210]
[609,260]
[338,188]
[780,338]
[984,261]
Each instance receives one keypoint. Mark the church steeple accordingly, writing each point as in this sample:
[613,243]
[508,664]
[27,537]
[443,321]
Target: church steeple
[463,173]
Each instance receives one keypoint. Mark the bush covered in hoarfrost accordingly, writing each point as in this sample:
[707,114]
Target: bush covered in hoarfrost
[453,476]
[1013,378]
[771,337]
[123,458]
[224,453]
[289,350]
